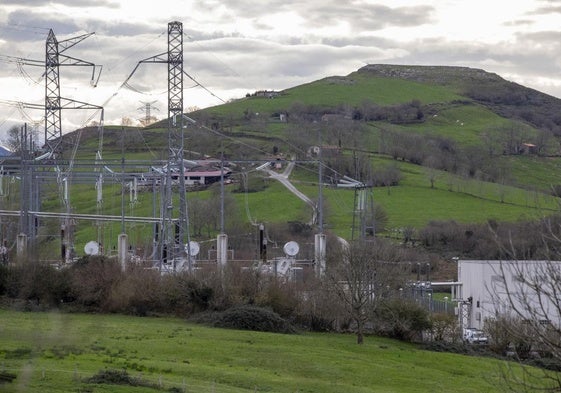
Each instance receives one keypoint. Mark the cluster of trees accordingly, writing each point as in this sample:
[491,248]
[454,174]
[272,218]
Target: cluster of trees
[440,153]
[526,239]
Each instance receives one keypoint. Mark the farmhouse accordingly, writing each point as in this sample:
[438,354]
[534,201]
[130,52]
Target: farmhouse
[525,288]
[201,172]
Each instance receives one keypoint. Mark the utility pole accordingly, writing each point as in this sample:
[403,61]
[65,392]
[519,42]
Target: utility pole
[320,239]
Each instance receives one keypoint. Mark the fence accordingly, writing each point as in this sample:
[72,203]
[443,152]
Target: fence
[424,297]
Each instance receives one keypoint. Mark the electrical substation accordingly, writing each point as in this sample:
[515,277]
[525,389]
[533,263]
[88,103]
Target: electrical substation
[26,178]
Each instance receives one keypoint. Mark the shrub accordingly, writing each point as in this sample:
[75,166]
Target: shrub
[402,319]
[445,327]
[39,284]
[92,280]
[117,377]
[247,317]
[137,293]
[280,298]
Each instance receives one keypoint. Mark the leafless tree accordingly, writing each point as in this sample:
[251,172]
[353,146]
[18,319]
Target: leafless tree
[13,140]
[527,300]
[362,274]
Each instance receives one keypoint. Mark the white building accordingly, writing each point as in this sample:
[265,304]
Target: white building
[528,289]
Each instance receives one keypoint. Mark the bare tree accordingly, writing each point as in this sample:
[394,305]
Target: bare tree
[13,139]
[526,296]
[362,274]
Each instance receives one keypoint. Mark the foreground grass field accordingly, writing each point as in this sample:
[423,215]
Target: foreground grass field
[54,352]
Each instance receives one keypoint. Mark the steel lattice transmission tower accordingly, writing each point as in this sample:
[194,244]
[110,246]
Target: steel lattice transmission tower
[173,232]
[147,109]
[175,139]
[54,103]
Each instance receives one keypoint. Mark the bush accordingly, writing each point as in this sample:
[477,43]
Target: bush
[117,377]
[92,280]
[247,318]
[280,298]
[402,319]
[442,346]
[38,284]
[137,293]
[445,327]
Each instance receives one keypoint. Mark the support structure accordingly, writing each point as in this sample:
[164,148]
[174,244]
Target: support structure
[364,211]
[174,231]
[320,243]
[175,122]
[54,103]
[147,109]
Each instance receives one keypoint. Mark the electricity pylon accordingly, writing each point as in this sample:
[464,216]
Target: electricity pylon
[173,232]
[54,103]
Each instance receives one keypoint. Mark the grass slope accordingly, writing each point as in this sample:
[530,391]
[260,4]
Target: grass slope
[56,352]
[413,203]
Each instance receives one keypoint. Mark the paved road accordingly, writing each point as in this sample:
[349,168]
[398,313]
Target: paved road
[283,178]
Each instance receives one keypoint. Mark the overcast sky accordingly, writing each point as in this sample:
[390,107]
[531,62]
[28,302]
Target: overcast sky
[233,47]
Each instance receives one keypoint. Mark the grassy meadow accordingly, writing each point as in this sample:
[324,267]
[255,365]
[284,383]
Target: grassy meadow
[413,203]
[56,352]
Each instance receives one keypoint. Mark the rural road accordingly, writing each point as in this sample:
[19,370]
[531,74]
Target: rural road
[283,178]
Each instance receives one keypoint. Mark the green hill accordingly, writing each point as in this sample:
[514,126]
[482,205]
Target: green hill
[467,145]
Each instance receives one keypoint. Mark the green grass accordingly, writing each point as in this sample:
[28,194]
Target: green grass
[352,91]
[413,203]
[539,173]
[463,123]
[56,352]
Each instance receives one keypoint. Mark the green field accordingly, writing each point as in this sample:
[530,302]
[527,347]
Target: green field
[55,352]
[413,203]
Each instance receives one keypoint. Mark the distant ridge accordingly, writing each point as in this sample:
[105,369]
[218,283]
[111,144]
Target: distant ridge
[507,99]
[445,75]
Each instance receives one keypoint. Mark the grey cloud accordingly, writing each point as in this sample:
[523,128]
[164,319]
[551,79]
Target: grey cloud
[519,22]
[359,15]
[34,21]
[122,29]
[369,17]
[68,3]
[541,37]
[368,41]
[546,10]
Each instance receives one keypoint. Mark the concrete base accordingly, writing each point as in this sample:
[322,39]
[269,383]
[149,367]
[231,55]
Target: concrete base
[122,250]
